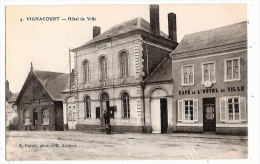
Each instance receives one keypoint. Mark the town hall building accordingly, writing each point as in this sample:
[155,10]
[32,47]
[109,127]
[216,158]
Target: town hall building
[126,70]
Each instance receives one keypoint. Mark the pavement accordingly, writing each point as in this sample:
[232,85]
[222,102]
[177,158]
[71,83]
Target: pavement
[75,145]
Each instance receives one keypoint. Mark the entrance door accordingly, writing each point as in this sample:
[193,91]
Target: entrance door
[35,118]
[71,116]
[104,107]
[159,115]
[164,116]
[209,115]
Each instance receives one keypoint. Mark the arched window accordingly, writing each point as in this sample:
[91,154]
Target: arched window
[26,116]
[87,107]
[103,68]
[125,105]
[123,62]
[86,72]
[45,116]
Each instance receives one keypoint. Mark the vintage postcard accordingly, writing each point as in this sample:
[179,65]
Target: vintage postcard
[126,82]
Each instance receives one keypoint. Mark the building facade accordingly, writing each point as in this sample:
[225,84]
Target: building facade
[39,103]
[210,81]
[110,74]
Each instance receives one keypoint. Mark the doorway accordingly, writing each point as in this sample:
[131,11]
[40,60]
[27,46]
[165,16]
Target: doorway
[209,115]
[104,99]
[35,118]
[159,115]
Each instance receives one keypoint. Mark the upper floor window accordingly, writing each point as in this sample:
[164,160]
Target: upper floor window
[232,69]
[208,72]
[103,68]
[45,116]
[123,59]
[187,74]
[125,105]
[87,107]
[86,72]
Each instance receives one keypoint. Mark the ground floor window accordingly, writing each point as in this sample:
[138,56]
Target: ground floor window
[188,110]
[233,109]
[125,105]
[45,116]
[26,116]
[87,107]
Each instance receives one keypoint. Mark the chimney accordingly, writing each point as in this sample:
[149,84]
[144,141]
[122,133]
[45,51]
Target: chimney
[172,27]
[154,19]
[96,31]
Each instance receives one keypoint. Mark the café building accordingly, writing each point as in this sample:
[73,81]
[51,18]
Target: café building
[210,81]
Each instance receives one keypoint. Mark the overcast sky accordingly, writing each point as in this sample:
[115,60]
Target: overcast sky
[46,44]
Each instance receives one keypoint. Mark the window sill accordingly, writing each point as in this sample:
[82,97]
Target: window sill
[46,124]
[233,122]
[186,85]
[235,80]
[28,124]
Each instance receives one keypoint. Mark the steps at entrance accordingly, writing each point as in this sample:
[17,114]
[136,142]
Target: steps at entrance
[99,130]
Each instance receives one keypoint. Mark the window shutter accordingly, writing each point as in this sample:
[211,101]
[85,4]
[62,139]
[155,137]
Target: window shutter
[196,108]
[180,108]
[222,109]
[242,106]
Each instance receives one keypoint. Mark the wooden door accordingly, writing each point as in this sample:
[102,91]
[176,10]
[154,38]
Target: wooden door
[209,115]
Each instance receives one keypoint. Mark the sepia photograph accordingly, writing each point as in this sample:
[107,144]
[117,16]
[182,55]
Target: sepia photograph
[126,82]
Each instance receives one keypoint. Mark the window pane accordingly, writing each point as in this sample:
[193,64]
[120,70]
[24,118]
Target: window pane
[186,102]
[186,110]
[229,100]
[191,102]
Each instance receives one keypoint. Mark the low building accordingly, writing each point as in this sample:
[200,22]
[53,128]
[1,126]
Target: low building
[39,103]
[210,81]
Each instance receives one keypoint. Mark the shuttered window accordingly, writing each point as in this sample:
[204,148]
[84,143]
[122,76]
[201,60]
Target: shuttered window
[188,110]
[233,109]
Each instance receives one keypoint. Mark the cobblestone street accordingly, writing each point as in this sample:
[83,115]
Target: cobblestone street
[74,145]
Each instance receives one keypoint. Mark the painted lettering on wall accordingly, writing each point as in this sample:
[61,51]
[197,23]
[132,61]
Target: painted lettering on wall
[212,90]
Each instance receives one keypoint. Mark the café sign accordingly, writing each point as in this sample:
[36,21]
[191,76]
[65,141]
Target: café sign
[212,90]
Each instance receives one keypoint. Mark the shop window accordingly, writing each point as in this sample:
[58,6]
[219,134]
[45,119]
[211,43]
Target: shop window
[103,68]
[188,110]
[26,116]
[187,74]
[125,105]
[123,62]
[45,116]
[86,71]
[232,69]
[233,109]
[87,103]
[208,72]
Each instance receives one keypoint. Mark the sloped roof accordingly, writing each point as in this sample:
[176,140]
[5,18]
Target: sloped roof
[125,27]
[162,73]
[53,82]
[217,37]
